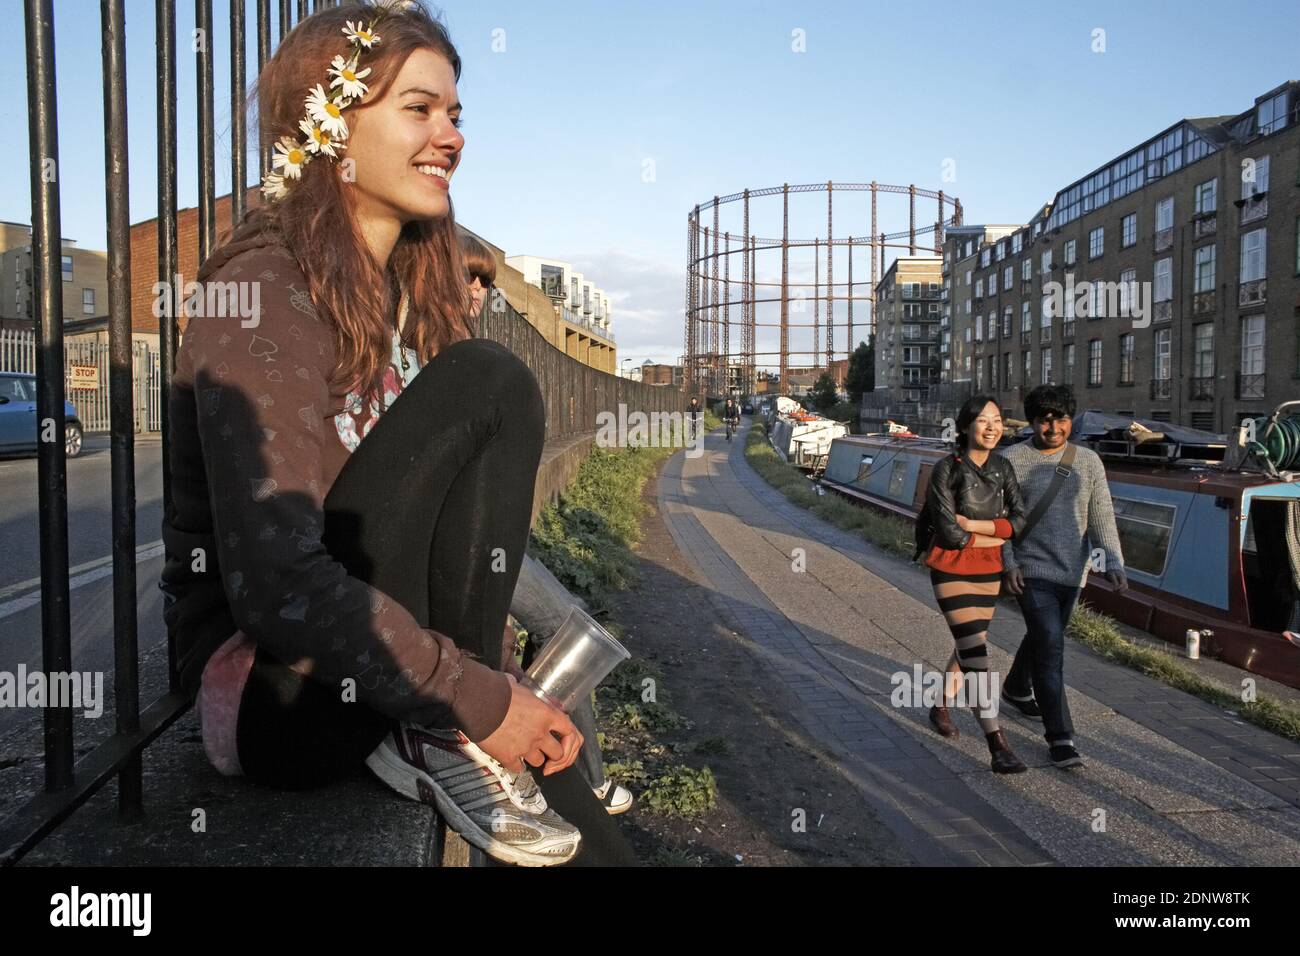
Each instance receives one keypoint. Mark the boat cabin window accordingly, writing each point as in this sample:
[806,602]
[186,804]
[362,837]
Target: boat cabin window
[864,467]
[1144,529]
[897,479]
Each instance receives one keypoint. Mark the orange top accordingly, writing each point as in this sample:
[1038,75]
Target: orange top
[970,559]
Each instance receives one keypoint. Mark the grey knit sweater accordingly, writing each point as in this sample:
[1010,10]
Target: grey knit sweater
[1081,518]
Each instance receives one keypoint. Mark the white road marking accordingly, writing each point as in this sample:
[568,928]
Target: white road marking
[79,576]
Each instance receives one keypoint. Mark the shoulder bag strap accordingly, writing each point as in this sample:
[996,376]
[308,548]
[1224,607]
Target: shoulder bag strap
[1063,471]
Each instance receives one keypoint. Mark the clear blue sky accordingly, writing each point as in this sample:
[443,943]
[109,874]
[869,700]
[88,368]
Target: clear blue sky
[560,124]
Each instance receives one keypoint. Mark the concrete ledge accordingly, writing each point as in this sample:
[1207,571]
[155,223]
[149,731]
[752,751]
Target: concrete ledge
[561,459]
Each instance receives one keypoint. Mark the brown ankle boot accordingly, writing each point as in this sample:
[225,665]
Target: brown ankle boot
[1004,761]
[941,720]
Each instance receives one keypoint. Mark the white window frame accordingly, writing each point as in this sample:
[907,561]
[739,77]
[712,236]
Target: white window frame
[1254,254]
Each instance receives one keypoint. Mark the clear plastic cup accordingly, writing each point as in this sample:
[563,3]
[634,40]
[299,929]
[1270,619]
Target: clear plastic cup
[575,660]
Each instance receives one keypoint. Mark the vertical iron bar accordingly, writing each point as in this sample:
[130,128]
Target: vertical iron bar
[238,127]
[126,679]
[726,315]
[207,179]
[51,462]
[785,287]
[817,301]
[911,220]
[302,9]
[285,17]
[872,323]
[165,17]
[263,54]
[830,279]
[850,351]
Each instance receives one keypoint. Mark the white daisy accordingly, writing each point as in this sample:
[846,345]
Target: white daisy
[328,113]
[289,157]
[273,186]
[318,140]
[345,75]
[357,34]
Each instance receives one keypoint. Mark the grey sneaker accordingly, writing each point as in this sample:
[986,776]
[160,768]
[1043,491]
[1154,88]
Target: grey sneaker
[501,813]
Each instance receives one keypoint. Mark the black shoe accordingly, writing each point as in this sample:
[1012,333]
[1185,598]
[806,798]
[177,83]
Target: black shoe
[1026,708]
[1004,760]
[1065,756]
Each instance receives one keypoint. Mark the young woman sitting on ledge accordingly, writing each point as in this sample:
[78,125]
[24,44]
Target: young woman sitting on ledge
[341,547]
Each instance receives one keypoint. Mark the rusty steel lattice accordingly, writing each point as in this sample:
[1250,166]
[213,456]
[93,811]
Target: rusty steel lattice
[710,364]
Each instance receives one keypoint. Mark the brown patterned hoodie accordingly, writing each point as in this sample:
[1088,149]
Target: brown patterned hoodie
[253,453]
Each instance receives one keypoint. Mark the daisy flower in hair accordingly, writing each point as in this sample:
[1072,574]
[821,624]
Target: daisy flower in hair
[345,75]
[327,113]
[357,33]
[317,140]
[289,158]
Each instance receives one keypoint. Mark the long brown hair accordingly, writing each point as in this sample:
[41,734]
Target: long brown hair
[317,219]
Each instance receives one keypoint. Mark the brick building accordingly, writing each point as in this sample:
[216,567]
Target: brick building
[1161,285]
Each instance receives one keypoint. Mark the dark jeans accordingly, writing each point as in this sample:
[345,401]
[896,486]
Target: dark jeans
[466,434]
[1039,667]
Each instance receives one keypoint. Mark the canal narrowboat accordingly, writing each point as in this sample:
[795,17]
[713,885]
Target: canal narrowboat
[1210,529]
[800,437]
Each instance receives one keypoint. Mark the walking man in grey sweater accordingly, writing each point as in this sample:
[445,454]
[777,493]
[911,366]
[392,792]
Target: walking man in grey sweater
[1047,567]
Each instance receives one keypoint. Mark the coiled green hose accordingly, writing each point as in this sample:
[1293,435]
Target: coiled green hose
[1279,444]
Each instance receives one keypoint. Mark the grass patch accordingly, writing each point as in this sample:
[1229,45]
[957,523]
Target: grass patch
[586,540]
[1096,630]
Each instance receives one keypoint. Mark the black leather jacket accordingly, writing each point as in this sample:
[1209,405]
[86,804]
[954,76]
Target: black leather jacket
[957,486]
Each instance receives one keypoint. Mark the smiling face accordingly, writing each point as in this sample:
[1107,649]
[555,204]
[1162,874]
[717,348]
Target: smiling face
[406,145]
[986,429]
[1052,431]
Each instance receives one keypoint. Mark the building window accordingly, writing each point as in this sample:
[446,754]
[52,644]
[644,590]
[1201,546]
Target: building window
[993,372]
[1008,276]
[1128,230]
[1165,214]
[67,268]
[1126,359]
[1069,259]
[968,273]
[985,257]
[1203,351]
[968,306]
[1254,177]
[1027,267]
[1253,249]
[1045,366]
[1006,323]
[1068,361]
[1271,114]
[1008,370]
[1094,362]
[979,328]
[979,288]
[1096,242]
[1127,288]
[1015,244]
[1162,367]
[1203,270]
[1045,263]
[1207,197]
[88,301]
[1252,345]
[1028,373]
[1164,290]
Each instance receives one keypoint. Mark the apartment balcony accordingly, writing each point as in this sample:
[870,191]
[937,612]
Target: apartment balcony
[1253,209]
[1252,293]
[1250,386]
[1161,389]
[1164,239]
[1204,225]
[1201,389]
[1203,303]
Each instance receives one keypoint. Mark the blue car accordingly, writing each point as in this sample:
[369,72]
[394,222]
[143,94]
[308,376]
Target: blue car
[18,430]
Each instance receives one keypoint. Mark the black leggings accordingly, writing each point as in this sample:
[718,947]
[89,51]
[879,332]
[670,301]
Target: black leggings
[443,479]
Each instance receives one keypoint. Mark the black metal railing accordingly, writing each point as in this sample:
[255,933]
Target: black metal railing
[1200,388]
[1250,386]
[1161,388]
[574,392]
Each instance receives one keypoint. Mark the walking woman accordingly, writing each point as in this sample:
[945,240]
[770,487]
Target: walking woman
[975,505]
[345,534]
